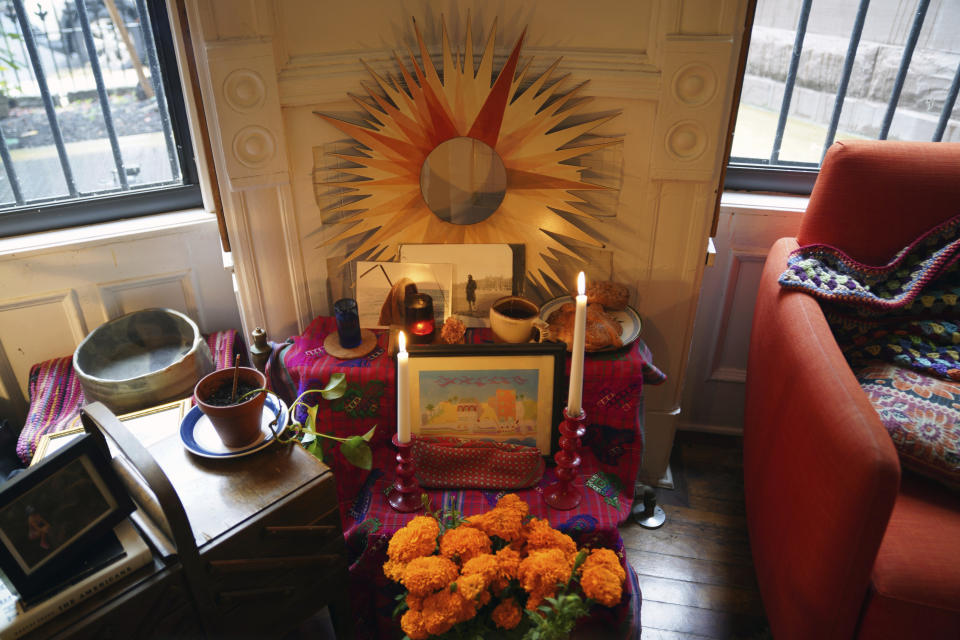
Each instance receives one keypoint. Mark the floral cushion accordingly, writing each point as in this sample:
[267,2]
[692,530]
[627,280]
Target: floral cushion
[922,415]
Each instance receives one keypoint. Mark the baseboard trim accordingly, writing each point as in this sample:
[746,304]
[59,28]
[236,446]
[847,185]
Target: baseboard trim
[665,482]
[722,429]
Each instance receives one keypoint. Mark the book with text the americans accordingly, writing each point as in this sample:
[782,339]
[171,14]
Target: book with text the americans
[17,620]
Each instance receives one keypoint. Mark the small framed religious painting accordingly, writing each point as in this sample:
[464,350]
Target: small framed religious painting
[506,392]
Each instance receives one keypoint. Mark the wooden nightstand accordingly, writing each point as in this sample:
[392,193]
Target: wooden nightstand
[258,547]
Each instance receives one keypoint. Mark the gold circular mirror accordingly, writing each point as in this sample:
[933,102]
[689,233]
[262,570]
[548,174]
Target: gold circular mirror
[463,180]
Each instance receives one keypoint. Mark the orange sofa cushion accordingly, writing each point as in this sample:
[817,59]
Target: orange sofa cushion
[915,582]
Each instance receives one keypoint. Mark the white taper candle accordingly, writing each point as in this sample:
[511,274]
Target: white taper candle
[575,395]
[403,391]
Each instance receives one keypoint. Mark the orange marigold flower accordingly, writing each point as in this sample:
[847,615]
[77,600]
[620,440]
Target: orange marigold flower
[540,535]
[413,625]
[484,565]
[541,572]
[508,561]
[466,609]
[506,615]
[536,599]
[426,575]
[474,520]
[393,569]
[417,539]
[444,609]
[463,543]
[513,502]
[414,602]
[502,523]
[608,559]
[602,585]
[471,586]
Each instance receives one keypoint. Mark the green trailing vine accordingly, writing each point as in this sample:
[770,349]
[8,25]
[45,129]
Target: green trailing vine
[356,449]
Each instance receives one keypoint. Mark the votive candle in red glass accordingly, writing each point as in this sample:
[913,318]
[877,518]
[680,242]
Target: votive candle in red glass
[418,318]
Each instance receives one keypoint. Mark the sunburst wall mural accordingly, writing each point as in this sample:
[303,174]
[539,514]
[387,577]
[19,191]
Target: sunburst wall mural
[408,117]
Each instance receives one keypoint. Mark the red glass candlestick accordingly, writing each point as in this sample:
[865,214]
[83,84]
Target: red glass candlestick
[563,494]
[406,494]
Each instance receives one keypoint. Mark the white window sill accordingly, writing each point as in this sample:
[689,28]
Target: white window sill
[103,233]
[745,201]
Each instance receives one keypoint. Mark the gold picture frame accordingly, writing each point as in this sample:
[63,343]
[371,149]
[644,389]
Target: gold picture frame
[505,393]
[148,425]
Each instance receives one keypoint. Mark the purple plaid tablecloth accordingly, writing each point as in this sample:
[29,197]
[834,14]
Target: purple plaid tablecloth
[612,454]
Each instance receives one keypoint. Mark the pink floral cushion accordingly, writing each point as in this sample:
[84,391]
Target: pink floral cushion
[922,415]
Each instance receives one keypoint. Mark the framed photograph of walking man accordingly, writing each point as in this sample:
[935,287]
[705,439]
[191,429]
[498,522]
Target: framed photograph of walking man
[482,273]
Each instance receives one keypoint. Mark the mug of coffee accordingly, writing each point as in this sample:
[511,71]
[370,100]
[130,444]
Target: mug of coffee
[512,318]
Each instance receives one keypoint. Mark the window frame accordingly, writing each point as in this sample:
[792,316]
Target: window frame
[750,174]
[746,176]
[92,209]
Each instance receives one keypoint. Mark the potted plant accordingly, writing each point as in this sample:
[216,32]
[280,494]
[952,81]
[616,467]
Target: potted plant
[236,413]
[233,401]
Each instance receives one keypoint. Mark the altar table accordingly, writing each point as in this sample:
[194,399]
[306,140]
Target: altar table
[612,453]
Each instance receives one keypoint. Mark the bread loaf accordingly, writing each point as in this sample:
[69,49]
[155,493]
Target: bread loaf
[602,331]
[610,295]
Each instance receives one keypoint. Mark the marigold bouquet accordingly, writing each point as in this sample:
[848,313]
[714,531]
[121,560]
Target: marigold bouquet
[503,573]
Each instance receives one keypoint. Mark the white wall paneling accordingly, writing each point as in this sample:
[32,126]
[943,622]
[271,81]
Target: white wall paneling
[61,285]
[728,362]
[713,397]
[13,400]
[172,291]
[666,66]
[20,341]
[238,78]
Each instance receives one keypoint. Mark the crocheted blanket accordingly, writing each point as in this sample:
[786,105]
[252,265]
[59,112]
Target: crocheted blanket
[903,312]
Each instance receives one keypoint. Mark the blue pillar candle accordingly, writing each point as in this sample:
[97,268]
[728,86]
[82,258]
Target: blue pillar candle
[348,322]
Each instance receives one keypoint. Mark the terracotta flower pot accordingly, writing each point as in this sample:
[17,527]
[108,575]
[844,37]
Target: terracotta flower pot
[237,425]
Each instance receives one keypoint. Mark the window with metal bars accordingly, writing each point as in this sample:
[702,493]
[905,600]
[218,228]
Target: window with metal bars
[91,114]
[819,72]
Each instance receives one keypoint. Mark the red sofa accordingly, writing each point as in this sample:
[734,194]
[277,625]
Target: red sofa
[844,544]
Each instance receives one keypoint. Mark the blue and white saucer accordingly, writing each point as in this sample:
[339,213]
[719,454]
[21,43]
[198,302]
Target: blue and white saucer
[200,438]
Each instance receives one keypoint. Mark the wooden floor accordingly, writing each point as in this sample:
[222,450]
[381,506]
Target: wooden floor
[696,573]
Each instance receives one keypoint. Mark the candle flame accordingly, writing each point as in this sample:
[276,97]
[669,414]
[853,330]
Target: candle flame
[402,341]
[581,284]
[422,328]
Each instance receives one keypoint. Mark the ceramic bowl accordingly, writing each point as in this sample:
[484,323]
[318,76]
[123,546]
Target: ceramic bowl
[142,359]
